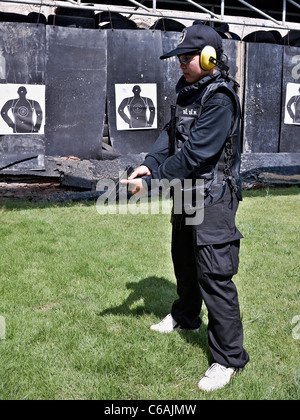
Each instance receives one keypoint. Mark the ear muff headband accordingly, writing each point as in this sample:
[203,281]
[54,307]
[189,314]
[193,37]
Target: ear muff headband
[205,56]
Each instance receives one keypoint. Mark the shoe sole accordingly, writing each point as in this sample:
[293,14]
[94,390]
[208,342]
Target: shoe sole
[162,331]
[175,329]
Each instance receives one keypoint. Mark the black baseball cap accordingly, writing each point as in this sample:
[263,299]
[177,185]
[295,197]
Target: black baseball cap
[195,38]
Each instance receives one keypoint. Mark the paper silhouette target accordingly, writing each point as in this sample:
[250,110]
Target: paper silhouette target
[22,109]
[292,104]
[136,106]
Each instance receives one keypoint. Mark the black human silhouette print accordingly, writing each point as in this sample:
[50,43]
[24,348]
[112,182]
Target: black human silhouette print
[292,104]
[27,114]
[293,108]
[137,111]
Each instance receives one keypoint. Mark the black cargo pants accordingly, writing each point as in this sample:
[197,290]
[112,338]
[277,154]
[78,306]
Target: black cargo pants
[205,273]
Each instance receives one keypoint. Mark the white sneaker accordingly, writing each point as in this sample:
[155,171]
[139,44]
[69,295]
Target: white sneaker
[216,377]
[167,325]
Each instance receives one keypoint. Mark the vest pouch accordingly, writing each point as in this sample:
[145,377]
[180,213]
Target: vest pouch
[209,175]
[185,119]
[216,194]
[193,198]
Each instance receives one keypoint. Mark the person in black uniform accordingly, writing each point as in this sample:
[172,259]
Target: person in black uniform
[205,256]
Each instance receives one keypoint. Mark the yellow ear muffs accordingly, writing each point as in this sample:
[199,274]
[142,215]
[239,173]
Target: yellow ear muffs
[205,56]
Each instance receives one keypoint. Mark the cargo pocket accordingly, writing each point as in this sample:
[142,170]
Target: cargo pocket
[225,258]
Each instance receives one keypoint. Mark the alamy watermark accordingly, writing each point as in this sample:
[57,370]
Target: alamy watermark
[187,197]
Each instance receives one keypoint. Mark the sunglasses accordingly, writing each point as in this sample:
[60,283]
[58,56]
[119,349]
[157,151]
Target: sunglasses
[186,58]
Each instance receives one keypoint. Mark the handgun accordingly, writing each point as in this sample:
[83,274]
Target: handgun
[128,171]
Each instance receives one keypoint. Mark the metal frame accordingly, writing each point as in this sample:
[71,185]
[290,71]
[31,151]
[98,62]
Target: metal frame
[269,21]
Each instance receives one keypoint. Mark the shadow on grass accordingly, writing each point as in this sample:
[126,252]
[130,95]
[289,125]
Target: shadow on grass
[157,295]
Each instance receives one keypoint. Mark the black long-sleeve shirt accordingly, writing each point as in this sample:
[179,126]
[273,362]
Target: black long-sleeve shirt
[202,149]
[205,141]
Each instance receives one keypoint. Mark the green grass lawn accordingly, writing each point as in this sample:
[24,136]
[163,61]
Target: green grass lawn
[79,291]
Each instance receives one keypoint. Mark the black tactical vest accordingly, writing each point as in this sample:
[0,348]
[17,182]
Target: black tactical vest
[226,171]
